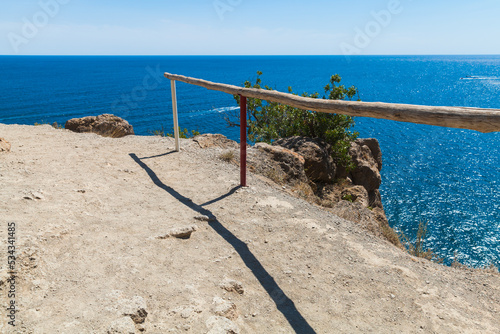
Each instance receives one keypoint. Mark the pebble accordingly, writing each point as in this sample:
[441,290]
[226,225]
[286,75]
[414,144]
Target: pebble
[204,218]
[180,232]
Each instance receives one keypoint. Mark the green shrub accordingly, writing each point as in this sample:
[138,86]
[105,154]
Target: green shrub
[268,121]
[55,125]
[182,133]
[348,197]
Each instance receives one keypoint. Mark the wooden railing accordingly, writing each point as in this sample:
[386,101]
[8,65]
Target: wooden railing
[479,119]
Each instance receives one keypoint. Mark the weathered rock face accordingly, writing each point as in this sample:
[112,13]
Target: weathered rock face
[374,147]
[374,199]
[288,164]
[319,165]
[356,194]
[4,145]
[366,173]
[106,125]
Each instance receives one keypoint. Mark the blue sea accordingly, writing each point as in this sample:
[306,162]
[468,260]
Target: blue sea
[448,178]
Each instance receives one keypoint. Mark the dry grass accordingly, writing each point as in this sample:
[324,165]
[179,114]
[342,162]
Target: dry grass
[390,235]
[491,268]
[417,248]
[55,125]
[304,190]
[276,174]
[227,156]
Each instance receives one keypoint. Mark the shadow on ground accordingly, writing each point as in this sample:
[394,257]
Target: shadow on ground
[283,303]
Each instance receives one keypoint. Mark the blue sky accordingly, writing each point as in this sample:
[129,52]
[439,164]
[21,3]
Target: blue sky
[248,27]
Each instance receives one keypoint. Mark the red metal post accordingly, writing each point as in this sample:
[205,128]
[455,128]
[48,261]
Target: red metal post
[243,141]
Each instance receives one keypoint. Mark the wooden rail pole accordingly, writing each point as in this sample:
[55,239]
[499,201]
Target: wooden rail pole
[176,119]
[243,141]
[483,120]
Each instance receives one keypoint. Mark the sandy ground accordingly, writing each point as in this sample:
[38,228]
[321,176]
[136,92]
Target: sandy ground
[92,215]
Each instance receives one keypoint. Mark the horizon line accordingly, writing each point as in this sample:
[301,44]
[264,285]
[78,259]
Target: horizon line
[246,55]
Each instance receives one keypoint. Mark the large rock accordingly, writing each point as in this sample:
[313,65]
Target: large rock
[277,163]
[4,145]
[366,172]
[106,125]
[319,165]
[374,147]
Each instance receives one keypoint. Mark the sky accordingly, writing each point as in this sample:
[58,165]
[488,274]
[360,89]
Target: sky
[249,27]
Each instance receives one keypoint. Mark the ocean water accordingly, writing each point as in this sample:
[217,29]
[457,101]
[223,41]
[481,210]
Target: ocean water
[449,178]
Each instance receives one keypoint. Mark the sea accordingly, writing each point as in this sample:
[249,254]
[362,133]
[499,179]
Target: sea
[446,178]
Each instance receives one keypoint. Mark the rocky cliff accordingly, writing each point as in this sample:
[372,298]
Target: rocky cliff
[306,166]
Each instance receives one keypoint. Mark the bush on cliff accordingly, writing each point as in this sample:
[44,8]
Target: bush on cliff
[269,121]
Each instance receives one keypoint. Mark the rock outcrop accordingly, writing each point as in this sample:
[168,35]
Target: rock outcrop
[4,145]
[308,162]
[106,125]
[278,163]
[373,145]
[319,165]
[367,172]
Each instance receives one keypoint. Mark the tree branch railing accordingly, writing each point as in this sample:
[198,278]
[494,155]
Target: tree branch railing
[478,119]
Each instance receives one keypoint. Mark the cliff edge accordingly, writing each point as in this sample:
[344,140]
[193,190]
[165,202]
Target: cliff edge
[127,236]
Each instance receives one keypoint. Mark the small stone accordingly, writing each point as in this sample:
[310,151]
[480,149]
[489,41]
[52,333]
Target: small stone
[37,195]
[232,286]
[33,195]
[224,308]
[134,308]
[139,317]
[392,296]
[180,232]
[204,218]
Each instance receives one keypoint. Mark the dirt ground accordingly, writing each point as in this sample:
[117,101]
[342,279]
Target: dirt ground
[94,223]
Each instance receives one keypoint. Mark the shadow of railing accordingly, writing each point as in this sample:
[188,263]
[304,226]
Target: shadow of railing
[283,303]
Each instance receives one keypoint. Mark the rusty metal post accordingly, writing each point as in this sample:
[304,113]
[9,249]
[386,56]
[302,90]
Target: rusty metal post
[243,141]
